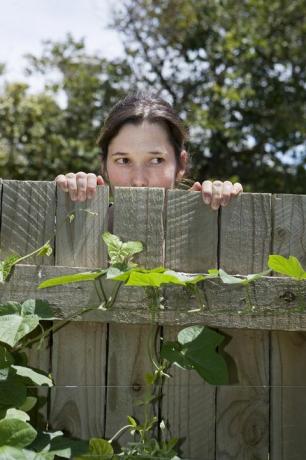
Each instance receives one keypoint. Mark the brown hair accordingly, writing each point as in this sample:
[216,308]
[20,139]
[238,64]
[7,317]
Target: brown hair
[137,108]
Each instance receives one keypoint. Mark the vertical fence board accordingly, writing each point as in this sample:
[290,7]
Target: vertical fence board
[27,222]
[191,245]
[243,410]
[79,350]
[138,215]
[288,354]
[28,214]
[191,233]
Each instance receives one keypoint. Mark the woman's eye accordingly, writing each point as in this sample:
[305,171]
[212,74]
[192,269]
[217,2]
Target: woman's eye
[122,161]
[156,161]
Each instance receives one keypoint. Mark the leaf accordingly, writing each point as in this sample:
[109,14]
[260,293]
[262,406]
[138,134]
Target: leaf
[186,278]
[13,392]
[28,404]
[6,266]
[189,334]
[120,253]
[132,421]
[16,433]
[98,448]
[16,413]
[14,327]
[11,453]
[154,277]
[172,352]
[46,250]
[196,349]
[56,443]
[67,279]
[38,307]
[6,358]
[36,377]
[229,279]
[290,266]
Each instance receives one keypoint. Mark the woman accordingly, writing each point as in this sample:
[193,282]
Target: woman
[143,145]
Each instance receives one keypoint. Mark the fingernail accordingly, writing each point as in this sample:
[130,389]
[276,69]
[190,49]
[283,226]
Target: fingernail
[206,199]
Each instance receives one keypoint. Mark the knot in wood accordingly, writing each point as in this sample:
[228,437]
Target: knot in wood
[136,387]
[254,429]
[287,296]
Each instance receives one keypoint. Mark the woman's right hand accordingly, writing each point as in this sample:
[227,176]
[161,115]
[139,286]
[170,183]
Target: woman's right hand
[80,186]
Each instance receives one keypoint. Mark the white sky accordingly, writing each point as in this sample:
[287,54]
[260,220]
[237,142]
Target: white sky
[25,23]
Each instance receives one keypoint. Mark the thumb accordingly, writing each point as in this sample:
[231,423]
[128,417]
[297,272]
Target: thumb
[197,187]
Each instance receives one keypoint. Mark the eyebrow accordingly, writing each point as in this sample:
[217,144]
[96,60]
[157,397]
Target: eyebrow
[124,154]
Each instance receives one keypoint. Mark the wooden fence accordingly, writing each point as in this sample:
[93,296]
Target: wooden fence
[99,362]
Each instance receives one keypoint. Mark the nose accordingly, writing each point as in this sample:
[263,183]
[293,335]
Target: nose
[139,178]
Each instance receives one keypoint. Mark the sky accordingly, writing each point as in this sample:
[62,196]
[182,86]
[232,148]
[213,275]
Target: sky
[25,23]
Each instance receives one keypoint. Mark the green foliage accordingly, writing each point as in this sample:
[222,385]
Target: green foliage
[40,137]
[121,254]
[195,348]
[67,279]
[236,72]
[290,267]
[18,320]
[98,449]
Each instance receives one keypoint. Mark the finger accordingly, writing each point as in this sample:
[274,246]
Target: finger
[81,181]
[207,191]
[91,185]
[72,186]
[217,190]
[237,189]
[61,181]
[100,180]
[226,193]
[197,187]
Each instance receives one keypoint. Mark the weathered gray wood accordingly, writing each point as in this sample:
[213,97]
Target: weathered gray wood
[188,407]
[277,302]
[245,237]
[80,410]
[79,241]
[79,371]
[243,413]
[243,407]
[191,245]
[27,222]
[27,219]
[288,350]
[191,232]
[138,215]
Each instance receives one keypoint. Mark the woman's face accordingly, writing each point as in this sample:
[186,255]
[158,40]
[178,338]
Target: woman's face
[142,156]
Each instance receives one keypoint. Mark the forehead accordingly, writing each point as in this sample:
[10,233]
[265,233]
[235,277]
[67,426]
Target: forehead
[143,136]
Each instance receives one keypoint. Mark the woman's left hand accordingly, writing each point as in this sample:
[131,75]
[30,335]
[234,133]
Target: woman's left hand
[217,193]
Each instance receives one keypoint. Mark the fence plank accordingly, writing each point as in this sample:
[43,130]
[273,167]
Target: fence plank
[191,233]
[191,245]
[79,350]
[28,215]
[288,353]
[243,412]
[27,222]
[144,209]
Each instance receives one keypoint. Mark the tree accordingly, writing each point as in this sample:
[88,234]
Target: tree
[45,134]
[236,72]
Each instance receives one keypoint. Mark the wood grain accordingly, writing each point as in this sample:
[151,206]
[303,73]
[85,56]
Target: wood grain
[288,350]
[243,411]
[138,215]
[27,222]
[79,350]
[191,243]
